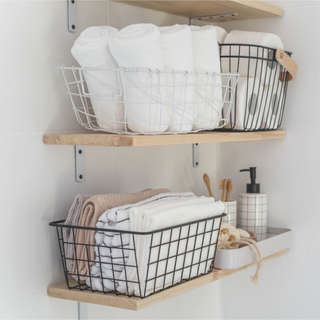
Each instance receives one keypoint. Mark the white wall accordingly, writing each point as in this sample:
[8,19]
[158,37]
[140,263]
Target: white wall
[288,171]
[37,181]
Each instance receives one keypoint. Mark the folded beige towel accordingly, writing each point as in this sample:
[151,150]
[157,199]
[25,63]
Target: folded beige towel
[91,212]
[73,220]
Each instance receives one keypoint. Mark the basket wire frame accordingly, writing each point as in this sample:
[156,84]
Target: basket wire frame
[150,83]
[181,250]
[265,112]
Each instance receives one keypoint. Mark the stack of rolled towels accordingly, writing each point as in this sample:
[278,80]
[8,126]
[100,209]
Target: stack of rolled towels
[177,100]
[260,95]
[140,264]
[170,78]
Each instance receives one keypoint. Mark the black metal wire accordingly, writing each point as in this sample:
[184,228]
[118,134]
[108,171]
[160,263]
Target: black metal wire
[265,113]
[169,249]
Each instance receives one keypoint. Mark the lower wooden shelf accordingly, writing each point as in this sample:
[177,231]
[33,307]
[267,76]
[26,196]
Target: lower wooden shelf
[61,291]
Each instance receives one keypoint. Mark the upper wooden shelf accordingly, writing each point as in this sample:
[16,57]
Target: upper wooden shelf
[244,9]
[61,291]
[118,140]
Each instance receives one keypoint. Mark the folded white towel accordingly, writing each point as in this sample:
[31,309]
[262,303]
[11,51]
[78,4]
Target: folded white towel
[255,68]
[139,46]
[273,105]
[208,87]
[221,34]
[91,49]
[187,252]
[248,104]
[118,247]
[176,45]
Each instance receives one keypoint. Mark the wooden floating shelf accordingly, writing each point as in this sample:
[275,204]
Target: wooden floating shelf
[118,140]
[244,9]
[61,291]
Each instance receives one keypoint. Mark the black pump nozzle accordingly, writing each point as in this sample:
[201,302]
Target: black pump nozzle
[252,187]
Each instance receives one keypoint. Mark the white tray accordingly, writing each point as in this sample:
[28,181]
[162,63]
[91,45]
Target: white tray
[278,239]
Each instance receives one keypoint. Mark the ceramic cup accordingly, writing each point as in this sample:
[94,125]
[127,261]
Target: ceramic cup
[231,212]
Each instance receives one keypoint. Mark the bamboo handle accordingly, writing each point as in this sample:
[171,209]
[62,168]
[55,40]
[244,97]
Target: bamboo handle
[289,64]
[206,180]
[224,189]
[228,190]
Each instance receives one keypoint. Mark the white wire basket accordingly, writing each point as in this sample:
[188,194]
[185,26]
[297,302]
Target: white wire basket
[145,101]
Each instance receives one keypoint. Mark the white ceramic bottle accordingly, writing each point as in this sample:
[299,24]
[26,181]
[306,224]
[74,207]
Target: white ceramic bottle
[252,208]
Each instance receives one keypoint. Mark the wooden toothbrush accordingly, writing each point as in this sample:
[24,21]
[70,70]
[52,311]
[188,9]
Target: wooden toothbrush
[223,186]
[206,180]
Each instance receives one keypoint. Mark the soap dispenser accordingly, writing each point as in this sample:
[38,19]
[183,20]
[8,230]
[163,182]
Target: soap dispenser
[252,215]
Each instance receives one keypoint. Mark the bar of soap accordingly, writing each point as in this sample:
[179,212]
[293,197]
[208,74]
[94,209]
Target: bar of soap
[243,233]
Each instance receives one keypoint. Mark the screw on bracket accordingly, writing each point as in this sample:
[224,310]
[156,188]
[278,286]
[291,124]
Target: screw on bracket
[79,163]
[195,154]
[72,15]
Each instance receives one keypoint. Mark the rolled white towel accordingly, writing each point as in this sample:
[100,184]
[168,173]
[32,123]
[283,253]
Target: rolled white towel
[260,69]
[208,87]
[248,101]
[139,46]
[91,49]
[176,45]
[221,34]
[273,105]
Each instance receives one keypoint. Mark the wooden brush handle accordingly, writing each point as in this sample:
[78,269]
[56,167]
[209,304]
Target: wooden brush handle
[224,189]
[228,190]
[206,180]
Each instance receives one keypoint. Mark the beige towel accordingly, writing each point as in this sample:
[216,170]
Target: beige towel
[73,220]
[91,212]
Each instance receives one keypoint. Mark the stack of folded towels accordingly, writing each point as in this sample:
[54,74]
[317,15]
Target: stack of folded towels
[260,94]
[148,210]
[172,102]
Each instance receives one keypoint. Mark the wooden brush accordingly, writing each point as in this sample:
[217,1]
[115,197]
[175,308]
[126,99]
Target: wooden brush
[206,180]
[229,189]
[223,186]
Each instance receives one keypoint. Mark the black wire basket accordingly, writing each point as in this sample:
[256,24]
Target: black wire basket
[138,264]
[261,91]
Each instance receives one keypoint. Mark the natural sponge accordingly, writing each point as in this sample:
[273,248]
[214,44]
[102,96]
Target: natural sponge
[228,235]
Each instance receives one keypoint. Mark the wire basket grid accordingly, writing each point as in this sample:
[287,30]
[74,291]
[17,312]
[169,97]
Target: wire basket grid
[261,91]
[145,101]
[140,264]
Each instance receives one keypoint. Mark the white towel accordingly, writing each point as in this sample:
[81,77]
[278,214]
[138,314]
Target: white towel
[273,105]
[208,87]
[155,213]
[197,261]
[258,68]
[118,218]
[248,100]
[139,46]
[91,49]
[176,45]
[221,34]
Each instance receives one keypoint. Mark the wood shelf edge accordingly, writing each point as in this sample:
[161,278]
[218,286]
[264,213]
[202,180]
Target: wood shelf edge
[117,140]
[88,139]
[61,290]
[196,8]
